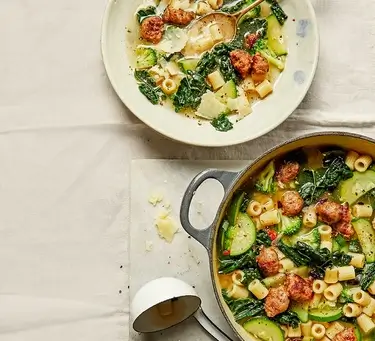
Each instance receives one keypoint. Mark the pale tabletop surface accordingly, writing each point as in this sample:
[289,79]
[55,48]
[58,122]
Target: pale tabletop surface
[66,143]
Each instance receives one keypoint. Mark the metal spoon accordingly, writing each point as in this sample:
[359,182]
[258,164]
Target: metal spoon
[227,23]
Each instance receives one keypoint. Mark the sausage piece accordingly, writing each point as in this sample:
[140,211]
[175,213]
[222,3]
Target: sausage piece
[298,288]
[260,68]
[177,16]
[241,61]
[344,226]
[288,172]
[277,301]
[329,212]
[346,335]
[250,40]
[291,203]
[268,261]
[152,29]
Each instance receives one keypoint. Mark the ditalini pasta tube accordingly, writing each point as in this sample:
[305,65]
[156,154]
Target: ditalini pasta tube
[254,209]
[314,303]
[306,328]
[294,332]
[365,323]
[238,277]
[352,310]
[333,292]
[318,331]
[238,292]
[319,286]
[369,309]
[309,218]
[325,232]
[346,273]
[362,298]
[362,163]
[258,289]
[351,158]
[331,276]
[362,211]
[371,288]
[270,218]
[268,205]
[334,329]
[358,260]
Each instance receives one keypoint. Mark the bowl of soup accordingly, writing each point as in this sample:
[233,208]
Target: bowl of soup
[292,246]
[201,85]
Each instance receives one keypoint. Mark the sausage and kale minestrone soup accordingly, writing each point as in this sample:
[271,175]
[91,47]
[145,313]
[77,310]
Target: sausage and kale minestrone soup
[297,249]
[203,73]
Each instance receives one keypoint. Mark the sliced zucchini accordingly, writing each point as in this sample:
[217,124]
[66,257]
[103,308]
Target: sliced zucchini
[275,36]
[224,228]
[274,281]
[188,64]
[352,189]
[264,329]
[228,90]
[244,235]
[234,208]
[366,237]
[301,309]
[358,333]
[325,315]
[302,271]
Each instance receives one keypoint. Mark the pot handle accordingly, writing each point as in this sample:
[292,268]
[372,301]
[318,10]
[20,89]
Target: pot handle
[225,178]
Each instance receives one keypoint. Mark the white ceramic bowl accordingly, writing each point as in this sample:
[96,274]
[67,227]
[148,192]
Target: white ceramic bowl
[303,43]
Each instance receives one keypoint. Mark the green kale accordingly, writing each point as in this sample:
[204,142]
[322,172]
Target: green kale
[323,180]
[340,258]
[355,246]
[189,93]
[289,318]
[243,308]
[264,182]
[231,8]
[222,123]
[290,225]
[262,239]
[148,87]
[247,26]
[250,275]
[145,12]
[244,204]
[292,252]
[279,13]
[259,45]
[229,264]
[368,276]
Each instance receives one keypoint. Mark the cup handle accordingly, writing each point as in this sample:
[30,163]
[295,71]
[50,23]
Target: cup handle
[225,178]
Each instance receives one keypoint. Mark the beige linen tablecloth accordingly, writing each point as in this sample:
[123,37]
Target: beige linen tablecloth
[66,143]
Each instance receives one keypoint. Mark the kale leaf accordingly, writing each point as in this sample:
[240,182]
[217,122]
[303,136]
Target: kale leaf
[247,26]
[289,318]
[243,308]
[145,12]
[262,239]
[278,12]
[190,92]
[222,123]
[368,276]
[148,87]
[355,246]
[229,264]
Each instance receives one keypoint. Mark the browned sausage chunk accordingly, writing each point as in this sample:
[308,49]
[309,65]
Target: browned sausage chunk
[288,172]
[259,69]
[344,226]
[177,16]
[241,61]
[329,212]
[268,261]
[277,301]
[251,39]
[152,29]
[299,289]
[291,203]
[346,335]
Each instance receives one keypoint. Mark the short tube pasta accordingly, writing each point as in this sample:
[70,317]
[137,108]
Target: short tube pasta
[365,323]
[294,332]
[309,218]
[238,292]
[215,4]
[346,273]
[258,289]
[326,244]
[270,218]
[284,329]
[238,277]
[286,265]
[268,205]
[358,260]
[362,163]
[362,298]
[314,303]
[318,331]
[369,309]
[362,211]
[351,158]
[331,276]
[264,88]
[169,86]
[254,209]
[203,8]
[352,310]
[319,286]
[306,328]
[371,288]
[333,292]
[334,329]
[325,232]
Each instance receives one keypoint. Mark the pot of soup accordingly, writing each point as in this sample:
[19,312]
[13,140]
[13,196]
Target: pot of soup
[292,246]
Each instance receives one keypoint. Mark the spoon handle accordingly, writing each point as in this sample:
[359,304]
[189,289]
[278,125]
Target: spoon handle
[210,327]
[247,9]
